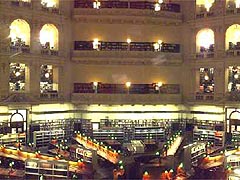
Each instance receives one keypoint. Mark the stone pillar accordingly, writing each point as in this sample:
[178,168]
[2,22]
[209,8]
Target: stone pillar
[34,79]
[4,76]
[219,38]
[35,41]
[219,87]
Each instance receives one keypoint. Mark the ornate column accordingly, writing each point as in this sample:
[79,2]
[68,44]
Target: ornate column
[4,76]
[34,79]
[219,38]
[35,41]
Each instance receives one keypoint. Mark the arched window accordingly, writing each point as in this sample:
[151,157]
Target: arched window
[207,4]
[50,3]
[49,37]
[20,32]
[231,4]
[232,37]
[205,40]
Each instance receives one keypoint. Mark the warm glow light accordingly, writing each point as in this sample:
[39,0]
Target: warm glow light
[206,3]
[160,1]
[232,35]
[159,84]
[128,84]
[49,33]
[95,43]
[236,171]
[47,75]
[159,41]
[95,83]
[156,46]
[205,38]
[236,76]
[237,2]
[206,77]
[49,3]
[157,7]
[17,73]
[20,29]
[129,41]
[96,5]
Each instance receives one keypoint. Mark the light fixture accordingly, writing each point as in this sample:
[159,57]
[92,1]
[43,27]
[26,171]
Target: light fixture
[206,77]
[160,1]
[96,4]
[128,84]
[17,74]
[95,83]
[96,44]
[129,40]
[235,76]
[237,2]
[156,46]
[159,84]
[157,7]
[47,75]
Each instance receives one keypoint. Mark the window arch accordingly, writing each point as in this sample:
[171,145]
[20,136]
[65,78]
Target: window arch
[205,3]
[20,32]
[232,36]
[233,4]
[205,40]
[49,36]
[50,3]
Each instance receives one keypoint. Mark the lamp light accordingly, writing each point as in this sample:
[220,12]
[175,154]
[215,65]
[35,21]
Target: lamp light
[235,76]
[157,7]
[47,75]
[129,40]
[95,44]
[17,73]
[96,4]
[206,77]
[128,84]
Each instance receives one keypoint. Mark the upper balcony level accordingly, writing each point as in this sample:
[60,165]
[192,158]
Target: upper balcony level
[156,53]
[43,5]
[102,93]
[129,9]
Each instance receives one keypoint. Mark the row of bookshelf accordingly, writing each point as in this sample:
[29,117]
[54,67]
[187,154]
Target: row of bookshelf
[123,46]
[105,88]
[125,4]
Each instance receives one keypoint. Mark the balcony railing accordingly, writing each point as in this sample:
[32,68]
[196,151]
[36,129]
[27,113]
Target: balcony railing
[232,10]
[233,52]
[49,95]
[21,4]
[103,88]
[49,52]
[203,55]
[204,14]
[204,97]
[20,49]
[50,9]
[124,46]
[128,5]
[233,96]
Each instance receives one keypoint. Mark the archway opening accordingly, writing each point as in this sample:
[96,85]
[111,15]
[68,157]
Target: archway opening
[49,37]
[20,33]
[205,40]
[232,40]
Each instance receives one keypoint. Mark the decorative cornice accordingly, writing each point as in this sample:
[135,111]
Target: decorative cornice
[127,16]
[127,58]
[125,98]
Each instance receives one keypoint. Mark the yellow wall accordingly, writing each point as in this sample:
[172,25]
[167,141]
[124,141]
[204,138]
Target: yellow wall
[120,32]
[121,74]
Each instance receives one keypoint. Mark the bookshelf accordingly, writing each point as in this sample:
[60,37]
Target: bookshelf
[12,139]
[43,138]
[36,168]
